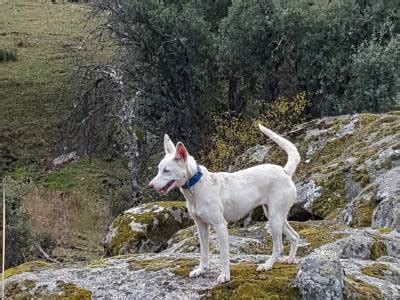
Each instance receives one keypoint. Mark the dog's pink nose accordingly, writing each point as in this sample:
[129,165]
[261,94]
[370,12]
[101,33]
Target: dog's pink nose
[151,184]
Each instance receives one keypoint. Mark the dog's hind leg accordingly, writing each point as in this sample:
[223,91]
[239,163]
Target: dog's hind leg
[293,237]
[203,230]
[276,222]
[223,238]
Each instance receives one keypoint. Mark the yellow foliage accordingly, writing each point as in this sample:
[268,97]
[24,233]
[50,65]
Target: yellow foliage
[284,113]
[232,138]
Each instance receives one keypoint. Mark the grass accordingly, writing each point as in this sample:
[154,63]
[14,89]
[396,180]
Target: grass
[72,207]
[36,94]
[33,92]
[36,89]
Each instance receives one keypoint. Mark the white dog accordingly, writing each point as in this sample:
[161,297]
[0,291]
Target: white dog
[215,198]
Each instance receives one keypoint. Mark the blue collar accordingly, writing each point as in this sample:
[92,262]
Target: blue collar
[194,179]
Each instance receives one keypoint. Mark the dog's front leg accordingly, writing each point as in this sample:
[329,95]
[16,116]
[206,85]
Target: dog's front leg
[223,238]
[203,230]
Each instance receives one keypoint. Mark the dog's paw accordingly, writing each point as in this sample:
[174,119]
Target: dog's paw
[223,278]
[264,267]
[197,272]
[287,260]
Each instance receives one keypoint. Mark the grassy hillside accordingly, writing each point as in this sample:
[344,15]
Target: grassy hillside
[70,205]
[34,90]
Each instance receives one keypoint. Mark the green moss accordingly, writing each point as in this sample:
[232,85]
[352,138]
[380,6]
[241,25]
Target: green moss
[361,176]
[316,235]
[180,266]
[123,234]
[26,267]
[154,264]
[72,291]
[357,289]
[367,119]
[375,270]
[388,119]
[378,249]
[171,204]
[332,150]
[332,196]
[184,266]
[247,283]
[165,228]
[100,263]
[384,230]
[363,214]
[20,289]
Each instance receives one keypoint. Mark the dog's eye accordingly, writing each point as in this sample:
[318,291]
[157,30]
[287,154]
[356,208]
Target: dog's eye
[166,171]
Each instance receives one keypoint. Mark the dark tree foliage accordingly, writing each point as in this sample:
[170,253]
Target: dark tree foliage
[195,60]
[280,48]
[169,52]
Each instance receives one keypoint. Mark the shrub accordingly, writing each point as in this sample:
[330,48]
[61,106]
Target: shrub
[18,236]
[231,138]
[376,76]
[7,55]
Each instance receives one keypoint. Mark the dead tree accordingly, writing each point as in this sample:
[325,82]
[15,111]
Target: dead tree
[102,101]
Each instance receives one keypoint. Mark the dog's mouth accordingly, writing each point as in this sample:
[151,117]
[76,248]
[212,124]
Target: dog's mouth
[167,187]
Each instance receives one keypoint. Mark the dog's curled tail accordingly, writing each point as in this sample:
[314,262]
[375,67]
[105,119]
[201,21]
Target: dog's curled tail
[290,149]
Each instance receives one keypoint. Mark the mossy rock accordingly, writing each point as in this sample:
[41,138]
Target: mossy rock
[26,267]
[378,249]
[358,289]
[28,289]
[99,263]
[20,289]
[180,266]
[71,291]
[255,239]
[375,270]
[362,216]
[333,196]
[247,283]
[384,230]
[146,228]
[316,234]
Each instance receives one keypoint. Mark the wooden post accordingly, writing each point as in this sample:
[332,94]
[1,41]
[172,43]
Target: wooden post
[4,241]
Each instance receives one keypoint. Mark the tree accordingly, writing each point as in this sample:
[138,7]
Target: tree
[376,76]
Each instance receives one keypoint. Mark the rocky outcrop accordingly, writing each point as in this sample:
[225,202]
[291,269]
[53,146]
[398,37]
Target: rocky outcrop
[329,267]
[255,239]
[146,228]
[349,177]
[350,169]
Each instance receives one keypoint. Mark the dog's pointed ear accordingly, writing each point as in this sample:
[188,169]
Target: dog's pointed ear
[168,145]
[181,152]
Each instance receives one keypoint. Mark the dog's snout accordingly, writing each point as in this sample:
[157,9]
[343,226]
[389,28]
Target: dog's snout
[151,184]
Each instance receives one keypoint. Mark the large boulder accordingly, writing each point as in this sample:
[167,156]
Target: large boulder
[320,276]
[146,228]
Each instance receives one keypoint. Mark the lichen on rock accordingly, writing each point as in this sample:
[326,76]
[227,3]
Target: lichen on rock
[247,283]
[146,228]
[26,267]
[358,289]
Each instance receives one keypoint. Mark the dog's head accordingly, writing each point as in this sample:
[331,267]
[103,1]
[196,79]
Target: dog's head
[173,168]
